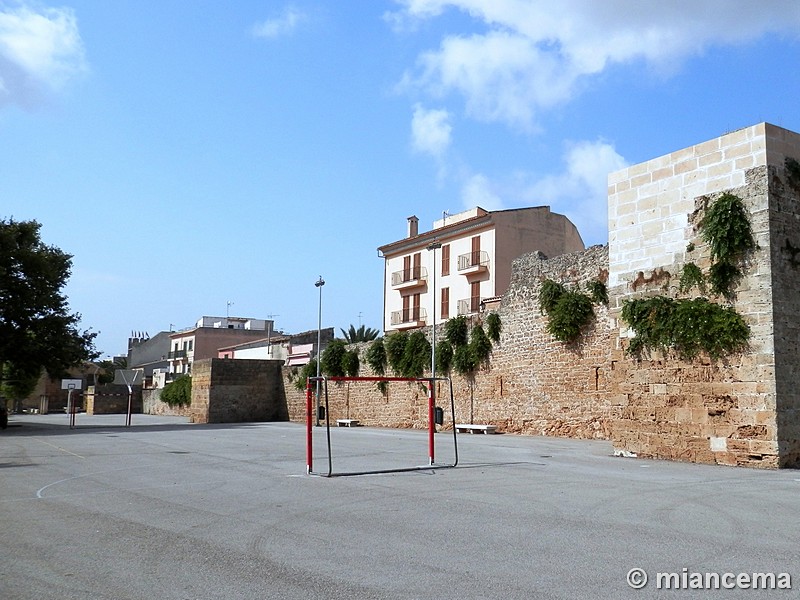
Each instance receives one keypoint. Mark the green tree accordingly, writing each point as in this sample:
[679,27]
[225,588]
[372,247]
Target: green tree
[37,330]
[362,334]
[108,368]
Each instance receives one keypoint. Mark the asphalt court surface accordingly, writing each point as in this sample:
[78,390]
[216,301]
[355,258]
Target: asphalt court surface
[169,510]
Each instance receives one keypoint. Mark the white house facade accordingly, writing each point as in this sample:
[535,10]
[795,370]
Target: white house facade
[464,260]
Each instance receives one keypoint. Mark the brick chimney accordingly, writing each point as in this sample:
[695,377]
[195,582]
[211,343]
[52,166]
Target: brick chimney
[413,226]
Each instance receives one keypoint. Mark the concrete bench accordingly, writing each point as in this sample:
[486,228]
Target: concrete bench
[347,422]
[465,427]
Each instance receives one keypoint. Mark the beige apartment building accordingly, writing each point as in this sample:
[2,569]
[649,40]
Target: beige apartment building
[464,261]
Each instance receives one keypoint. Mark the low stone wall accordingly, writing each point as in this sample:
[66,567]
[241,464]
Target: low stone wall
[237,391]
[152,405]
[111,400]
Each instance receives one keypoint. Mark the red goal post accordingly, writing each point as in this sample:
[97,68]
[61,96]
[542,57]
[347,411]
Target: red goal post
[312,414]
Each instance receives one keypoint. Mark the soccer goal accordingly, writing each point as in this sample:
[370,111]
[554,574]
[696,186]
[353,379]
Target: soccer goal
[318,410]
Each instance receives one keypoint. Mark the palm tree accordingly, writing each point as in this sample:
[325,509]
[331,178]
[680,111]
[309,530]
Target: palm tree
[362,334]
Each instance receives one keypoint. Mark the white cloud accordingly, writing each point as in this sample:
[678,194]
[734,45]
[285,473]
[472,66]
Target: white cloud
[580,191]
[285,24]
[533,55]
[40,49]
[430,131]
[477,191]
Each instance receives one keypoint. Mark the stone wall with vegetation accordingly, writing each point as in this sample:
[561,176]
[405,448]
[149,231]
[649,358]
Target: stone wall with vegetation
[731,401]
[734,406]
[717,410]
[152,405]
[531,384]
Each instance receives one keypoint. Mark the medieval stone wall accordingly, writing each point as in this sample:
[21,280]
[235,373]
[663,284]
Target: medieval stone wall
[235,391]
[532,384]
[743,409]
[784,218]
[152,405]
[722,411]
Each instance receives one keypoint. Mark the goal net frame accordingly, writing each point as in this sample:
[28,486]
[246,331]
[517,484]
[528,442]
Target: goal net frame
[312,413]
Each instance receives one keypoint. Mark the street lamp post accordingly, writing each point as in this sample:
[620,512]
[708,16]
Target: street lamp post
[319,283]
[433,246]
[432,401]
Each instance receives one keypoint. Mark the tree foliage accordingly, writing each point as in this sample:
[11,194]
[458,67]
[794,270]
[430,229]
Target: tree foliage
[395,345]
[362,334]
[493,326]
[37,330]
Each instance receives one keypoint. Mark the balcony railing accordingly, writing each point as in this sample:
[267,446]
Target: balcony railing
[473,261]
[470,306]
[176,354]
[410,277]
[413,317]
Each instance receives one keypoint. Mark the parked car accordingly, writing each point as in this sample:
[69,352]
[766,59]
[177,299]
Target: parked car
[3,414]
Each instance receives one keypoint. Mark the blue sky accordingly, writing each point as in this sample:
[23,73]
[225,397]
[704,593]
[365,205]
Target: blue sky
[194,154]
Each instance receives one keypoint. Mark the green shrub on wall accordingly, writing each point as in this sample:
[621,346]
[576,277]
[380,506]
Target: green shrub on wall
[480,344]
[569,311]
[416,355]
[179,392]
[309,370]
[691,277]
[409,354]
[493,326]
[444,356]
[395,345]
[688,327]
[456,331]
[725,227]
[332,361]
[376,357]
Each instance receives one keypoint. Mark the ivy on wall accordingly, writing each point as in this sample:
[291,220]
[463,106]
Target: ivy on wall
[686,327]
[179,392]
[462,349]
[691,326]
[569,311]
[726,229]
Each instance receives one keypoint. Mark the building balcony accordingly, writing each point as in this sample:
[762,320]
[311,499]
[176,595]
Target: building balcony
[473,262]
[176,355]
[470,306]
[408,318]
[410,278]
